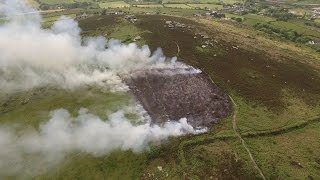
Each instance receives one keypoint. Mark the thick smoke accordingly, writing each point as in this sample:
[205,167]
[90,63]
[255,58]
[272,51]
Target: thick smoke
[86,133]
[33,57]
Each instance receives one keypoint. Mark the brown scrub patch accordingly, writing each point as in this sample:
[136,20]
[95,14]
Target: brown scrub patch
[170,96]
[95,22]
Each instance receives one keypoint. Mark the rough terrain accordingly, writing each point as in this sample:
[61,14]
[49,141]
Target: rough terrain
[169,95]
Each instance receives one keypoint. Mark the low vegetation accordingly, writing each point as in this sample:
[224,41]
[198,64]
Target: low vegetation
[262,60]
[114,4]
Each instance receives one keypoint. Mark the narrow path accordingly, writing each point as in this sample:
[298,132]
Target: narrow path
[235,129]
[178,49]
[207,140]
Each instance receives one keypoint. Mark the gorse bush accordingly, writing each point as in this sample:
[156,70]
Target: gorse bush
[290,34]
[280,13]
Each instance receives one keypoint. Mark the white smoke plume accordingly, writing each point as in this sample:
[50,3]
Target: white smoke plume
[31,56]
[86,133]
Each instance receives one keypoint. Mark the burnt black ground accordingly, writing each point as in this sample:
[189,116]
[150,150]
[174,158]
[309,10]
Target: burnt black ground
[172,97]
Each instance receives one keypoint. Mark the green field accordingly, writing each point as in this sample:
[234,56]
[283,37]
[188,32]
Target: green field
[300,11]
[48,18]
[303,29]
[51,2]
[149,5]
[290,156]
[206,6]
[114,4]
[164,10]
[252,19]
[234,16]
[181,6]
[48,21]
[54,2]
[307,2]
[297,2]
[47,100]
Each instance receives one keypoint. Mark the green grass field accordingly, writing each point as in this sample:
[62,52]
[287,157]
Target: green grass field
[300,11]
[114,4]
[164,10]
[234,16]
[293,155]
[117,165]
[261,119]
[54,2]
[300,28]
[252,19]
[51,2]
[81,165]
[39,106]
[297,2]
[48,21]
[307,2]
[181,6]
[149,5]
[117,28]
[206,6]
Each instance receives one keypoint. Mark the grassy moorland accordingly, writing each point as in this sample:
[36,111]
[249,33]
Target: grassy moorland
[57,1]
[33,107]
[206,6]
[263,80]
[115,4]
[274,83]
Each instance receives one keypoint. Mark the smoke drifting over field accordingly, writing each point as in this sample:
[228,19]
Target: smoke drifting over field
[34,57]
[87,133]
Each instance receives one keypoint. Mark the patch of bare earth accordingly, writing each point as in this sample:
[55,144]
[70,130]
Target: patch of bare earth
[170,96]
